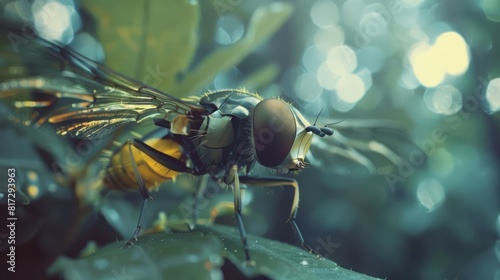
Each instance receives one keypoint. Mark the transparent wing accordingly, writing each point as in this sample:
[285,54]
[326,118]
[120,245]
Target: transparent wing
[79,97]
[366,145]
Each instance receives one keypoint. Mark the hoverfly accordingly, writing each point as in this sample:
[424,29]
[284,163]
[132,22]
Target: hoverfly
[222,134]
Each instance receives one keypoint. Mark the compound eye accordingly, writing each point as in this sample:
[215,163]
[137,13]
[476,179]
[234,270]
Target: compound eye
[274,130]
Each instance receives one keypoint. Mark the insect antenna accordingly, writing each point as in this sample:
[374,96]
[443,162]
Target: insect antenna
[334,123]
[317,117]
[325,130]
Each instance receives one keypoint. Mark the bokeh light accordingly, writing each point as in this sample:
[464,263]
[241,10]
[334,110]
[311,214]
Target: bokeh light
[88,46]
[307,87]
[423,59]
[406,14]
[453,51]
[350,88]
[493,95]
[442,162]
[324,13]
[227,79]
[338,104]
[229,29]
[312,58]
[33,191]
[375,20]
[341,60]
[326,78]
[352,11]
[430,194]
[430,63]
[492,9]
[328,37]
[408,80]
[366,76]
[445,99]
[53,20]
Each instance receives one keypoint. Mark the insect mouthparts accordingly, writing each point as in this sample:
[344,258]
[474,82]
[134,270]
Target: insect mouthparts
[298,164]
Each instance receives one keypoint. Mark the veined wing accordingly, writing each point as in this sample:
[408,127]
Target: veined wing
[76,95]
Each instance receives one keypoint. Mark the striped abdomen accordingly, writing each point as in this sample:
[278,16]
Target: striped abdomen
[120,174]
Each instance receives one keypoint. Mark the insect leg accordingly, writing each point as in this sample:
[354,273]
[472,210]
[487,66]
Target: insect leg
[278,181]
[221,208]
[197,195]
[144,192]
[233,173]
[161,158]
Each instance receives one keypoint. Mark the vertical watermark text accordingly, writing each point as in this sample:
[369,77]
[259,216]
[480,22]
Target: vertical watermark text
[11,219]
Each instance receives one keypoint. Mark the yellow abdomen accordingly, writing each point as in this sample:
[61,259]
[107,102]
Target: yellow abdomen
[120,174]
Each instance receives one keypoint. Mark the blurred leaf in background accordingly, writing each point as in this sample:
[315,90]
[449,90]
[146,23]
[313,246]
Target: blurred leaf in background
[155,45]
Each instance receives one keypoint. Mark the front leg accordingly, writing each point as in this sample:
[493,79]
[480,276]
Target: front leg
[197,196]
[233,179]
[275,182]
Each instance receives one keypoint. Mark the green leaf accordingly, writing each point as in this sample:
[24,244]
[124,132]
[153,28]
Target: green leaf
[190,255]
[261,77]
[152,46]
[199,254]
[264,22]
[278,260]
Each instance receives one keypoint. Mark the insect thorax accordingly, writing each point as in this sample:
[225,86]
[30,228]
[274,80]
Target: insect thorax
[223,139]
